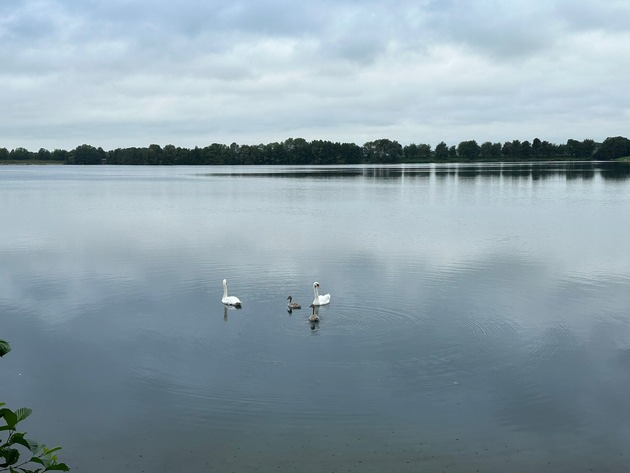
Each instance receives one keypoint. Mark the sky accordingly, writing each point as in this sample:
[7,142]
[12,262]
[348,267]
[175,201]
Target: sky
[123,73]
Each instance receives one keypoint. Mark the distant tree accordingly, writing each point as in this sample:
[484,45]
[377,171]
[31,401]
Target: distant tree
[44,155]
[383,151]
[526,151]
[154,154]
[276,153]
[468,150]
[424,151]
[587,149]
[441,151]
[20,154]
[549,151]
[326,152]
[194,156]
[511,150]
[86,154]
[497,151]
[134,156]
[581,150]
[410,153]
[233,154]
[299,151]
[490,151]
[485,151]
[417,153]
[60,155]
[536,148]
[351,153]
[517,153]
[613,148]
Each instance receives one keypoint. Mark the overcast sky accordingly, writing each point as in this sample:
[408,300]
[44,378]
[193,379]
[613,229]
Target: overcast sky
[120,73]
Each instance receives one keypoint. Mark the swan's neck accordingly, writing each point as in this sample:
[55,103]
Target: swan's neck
[316,292]
[224,290]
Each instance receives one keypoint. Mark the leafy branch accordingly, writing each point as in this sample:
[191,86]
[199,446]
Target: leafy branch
[17,453]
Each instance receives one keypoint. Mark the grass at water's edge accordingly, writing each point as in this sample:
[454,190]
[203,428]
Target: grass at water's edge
[29,161]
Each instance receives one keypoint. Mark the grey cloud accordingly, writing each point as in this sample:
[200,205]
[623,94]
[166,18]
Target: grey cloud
[122,73]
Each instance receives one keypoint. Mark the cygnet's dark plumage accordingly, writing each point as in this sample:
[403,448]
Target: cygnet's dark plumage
[293,305]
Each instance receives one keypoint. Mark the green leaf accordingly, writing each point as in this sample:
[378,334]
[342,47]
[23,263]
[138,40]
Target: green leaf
[22,413]
[10,455]
[48,451]
[10,417]
[18,438]
[58,467]
[4,348]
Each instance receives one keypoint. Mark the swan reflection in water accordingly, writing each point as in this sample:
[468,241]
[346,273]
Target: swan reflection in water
[226,308]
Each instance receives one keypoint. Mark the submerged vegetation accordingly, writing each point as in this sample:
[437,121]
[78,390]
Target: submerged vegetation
[298,151]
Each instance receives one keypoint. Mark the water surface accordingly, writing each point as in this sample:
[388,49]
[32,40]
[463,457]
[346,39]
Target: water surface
[480,316]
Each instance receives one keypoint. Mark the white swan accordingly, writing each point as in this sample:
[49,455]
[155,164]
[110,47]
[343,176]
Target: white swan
[230,300]
[320,300]
[293,305]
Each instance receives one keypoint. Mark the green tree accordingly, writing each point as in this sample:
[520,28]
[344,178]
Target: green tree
[86,154]
[351,153]
[20,154]
[581,150]
[468,150]
[383,151]
[60,155]
[441,151]
[44,155]
[452,153]
[154,154]
[298,151]
[526,150]
[613,148]
[490,151]
[414,153]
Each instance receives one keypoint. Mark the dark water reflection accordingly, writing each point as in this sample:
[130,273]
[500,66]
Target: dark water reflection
[480,316]
[529,170]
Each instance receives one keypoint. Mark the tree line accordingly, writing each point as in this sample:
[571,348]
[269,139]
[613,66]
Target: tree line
[298,151]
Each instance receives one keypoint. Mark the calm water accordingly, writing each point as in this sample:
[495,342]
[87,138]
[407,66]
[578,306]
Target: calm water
[480,317]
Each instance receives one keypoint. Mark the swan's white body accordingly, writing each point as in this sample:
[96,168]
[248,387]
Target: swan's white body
[320,300]
[229,300]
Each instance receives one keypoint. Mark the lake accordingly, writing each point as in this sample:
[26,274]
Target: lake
[479,316]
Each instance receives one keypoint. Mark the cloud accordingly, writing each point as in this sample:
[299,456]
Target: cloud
[130,73]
